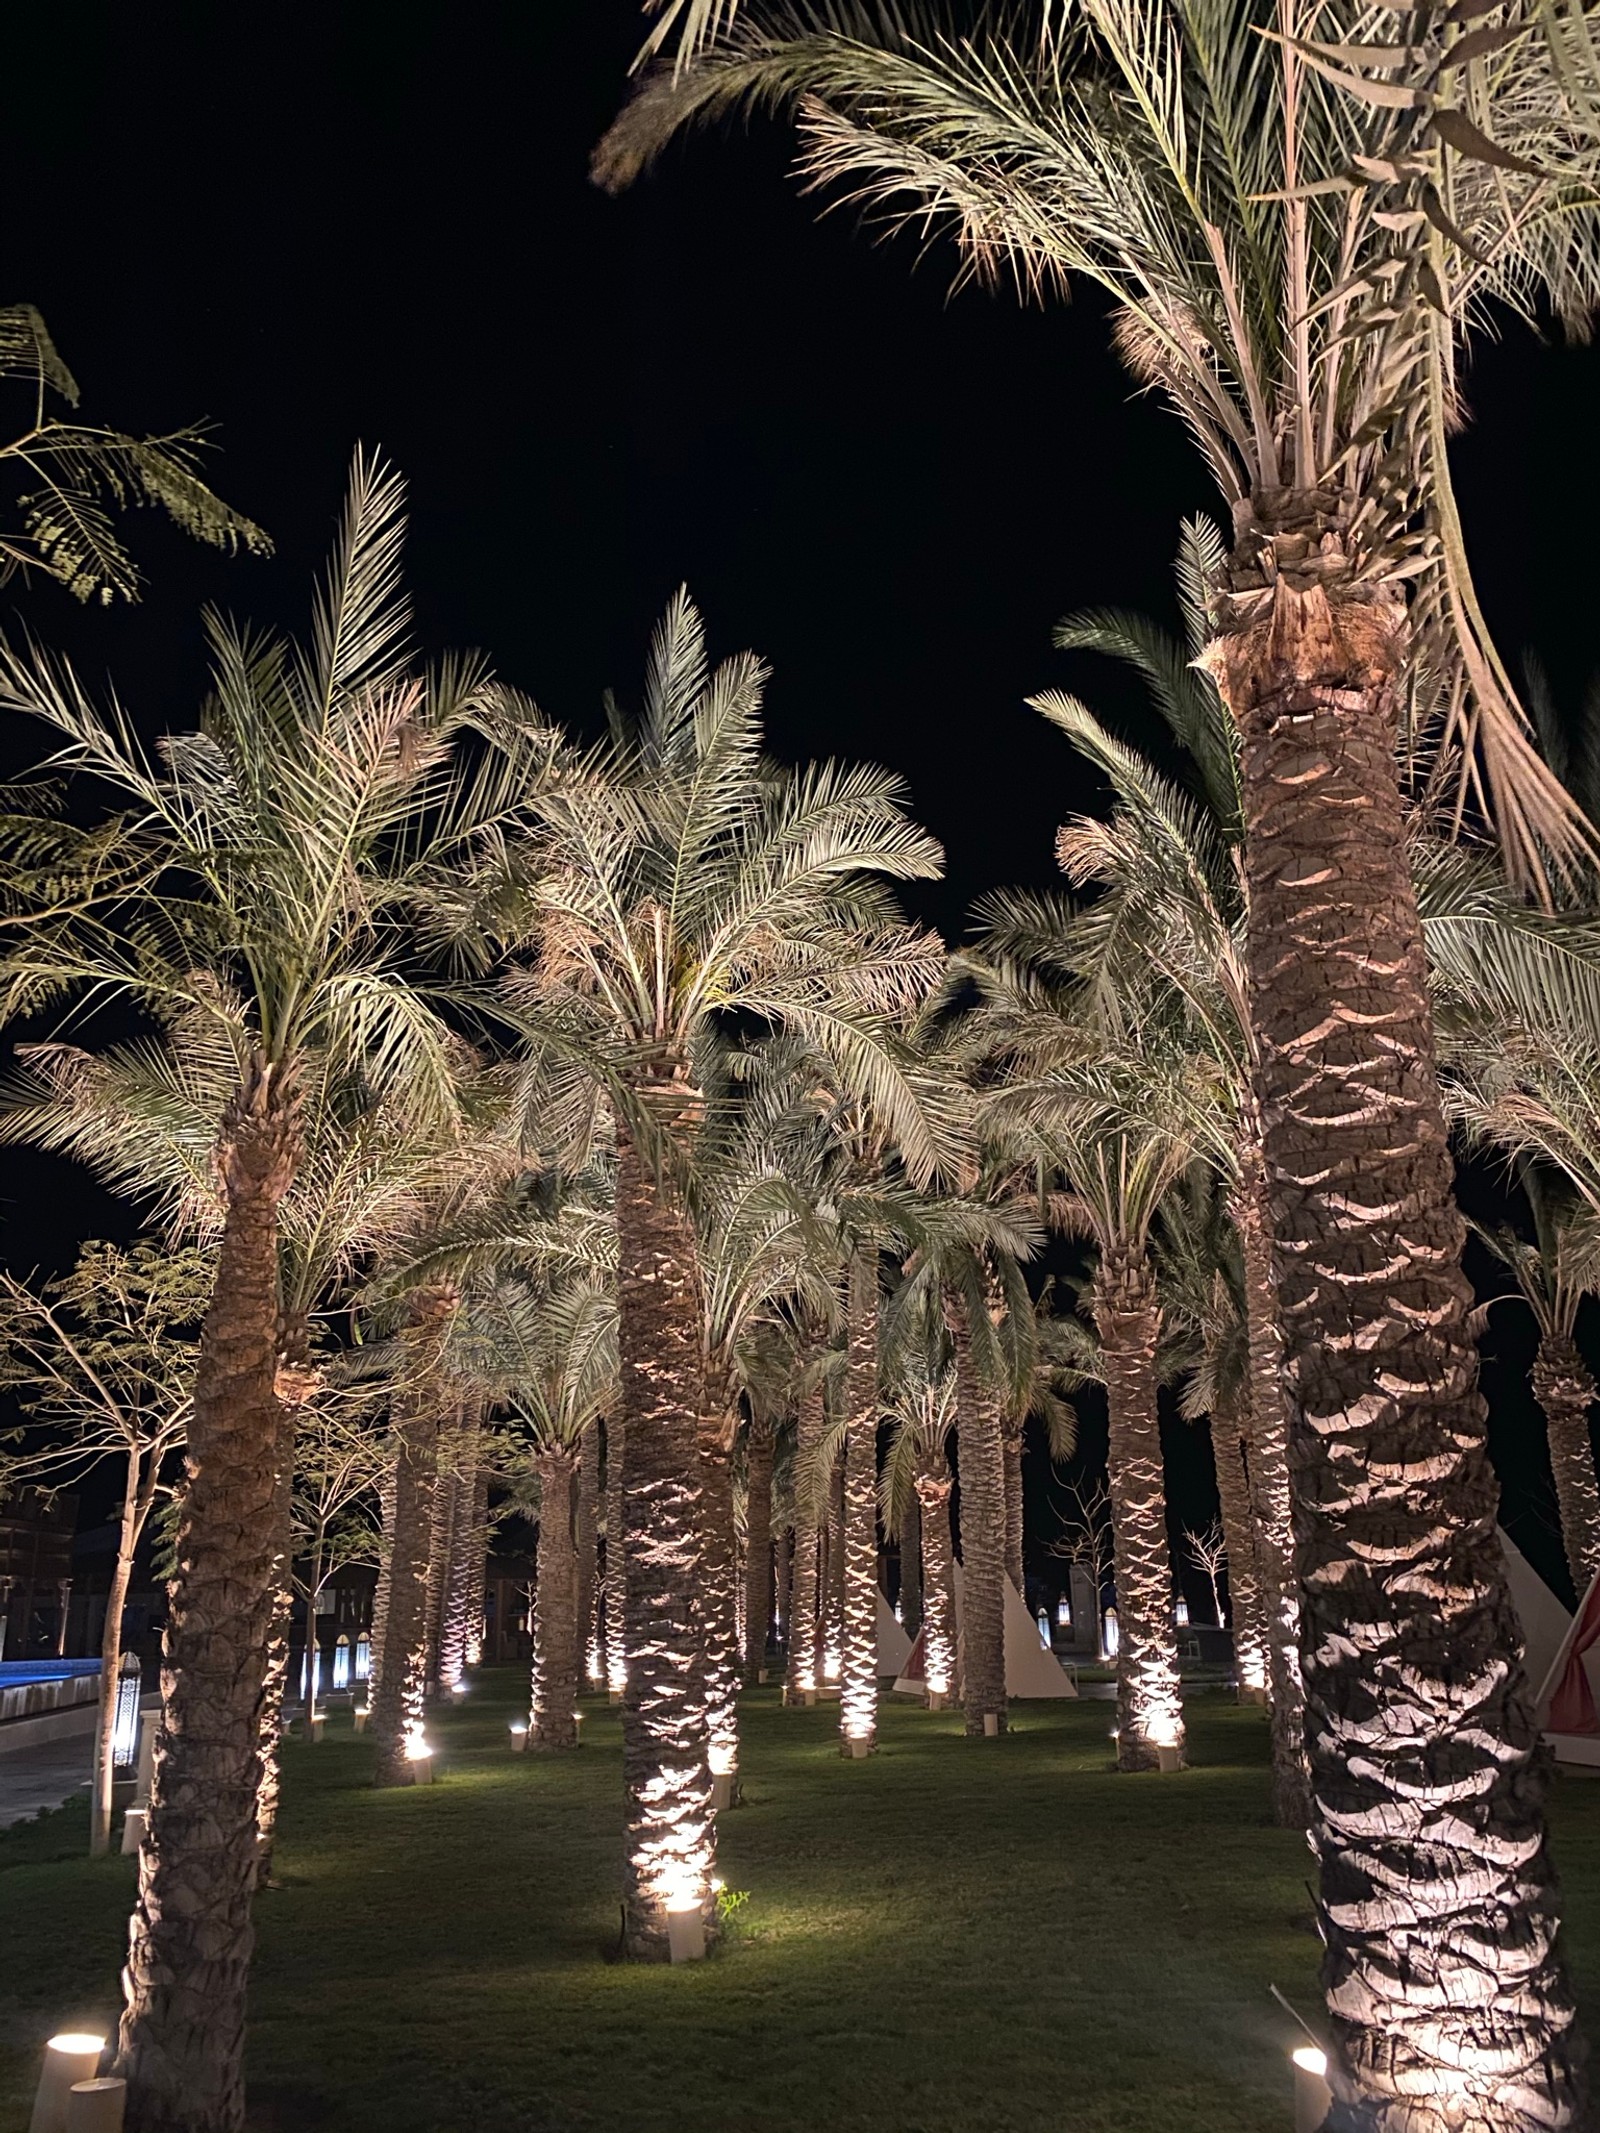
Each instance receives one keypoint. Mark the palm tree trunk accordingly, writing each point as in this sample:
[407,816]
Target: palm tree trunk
[111,1659]
[1238,1534]
[782,1568]
[671,1829]
[1012,1445]
[587,1526]
[181,2048]
[802,1671]
[833,1587]
[858,1680]
[1270,1492]
[1128,1317]
[475,1570]
[441,1547]
[400,1688]
[911,1570]
[719,1572]
[981,1464]
[616,1570]
[1437,1899]
[295,1382]
[380,1595]
[1564,1388]
[556,1621]
[465,1540]
[939,1636]
[758,1560]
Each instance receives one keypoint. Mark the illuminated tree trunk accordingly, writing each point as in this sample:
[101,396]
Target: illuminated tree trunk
[719,1572]
[758,1560]
[1565,1390]
[137,1497]
[834,1557]
[182,2038]
[981,1462]
[556,1620]
[939,1638]
[858,1680]
[671,1830]
[782,1566]
[1012,1444]
[1448,2002]
[616,1569]
[466,1541]
[295,1381]
[441,1548]
[586,1527]
[803,1660]
[1270,1494]
[380,1594]
[1128,1318]
[911,1570]
[400,1688]
[1238,1534]
[476,1568]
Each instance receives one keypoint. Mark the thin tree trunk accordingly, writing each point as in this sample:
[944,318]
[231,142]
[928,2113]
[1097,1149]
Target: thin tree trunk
[833,1620]
[1012,1444]
[719,1575]
[911,1570]
[1239,1538]
[1564,1388]
[111,1659]
[782,1579]
[939,1635]
[587,1528]
[1270,1492]
[858,1680]
[1448,2001]
[181,2048]
[671,1829]
[401,1686]
[802,1671]
[1128,1318]
[465,1541]
[758,1563]
[441,1547]
[555,1606]
[294,1386]
[616,1569]
[981,1464]
[475,1571]
[380,1594]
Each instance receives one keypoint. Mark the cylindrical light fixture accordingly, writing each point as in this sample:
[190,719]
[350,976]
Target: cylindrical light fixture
[133,1828]
[1168,1757]
[991,1725]
[361,1718]
[1313,2099]
[71,2057]
[686,1930]
[97,2106]
[419,1755]
[519,1735]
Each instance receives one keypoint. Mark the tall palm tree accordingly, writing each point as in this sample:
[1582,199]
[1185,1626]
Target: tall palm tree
[284,853]
[916,1472]
[691,886]
[1297,244]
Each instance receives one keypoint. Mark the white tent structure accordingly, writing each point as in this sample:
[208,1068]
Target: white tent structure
[1031,1671]
[894,1646]
[1556,1647]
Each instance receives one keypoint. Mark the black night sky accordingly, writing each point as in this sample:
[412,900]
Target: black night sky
[371,220]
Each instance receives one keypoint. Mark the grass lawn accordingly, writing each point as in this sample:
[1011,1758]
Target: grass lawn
[952,1936]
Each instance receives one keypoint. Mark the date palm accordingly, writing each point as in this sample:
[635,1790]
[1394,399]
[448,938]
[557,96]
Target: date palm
[1298,244]
[277,862]
[917,1481]
[691,886]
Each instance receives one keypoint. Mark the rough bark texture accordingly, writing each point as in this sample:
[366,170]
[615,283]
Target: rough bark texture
[719,1574]
[441,1547]
[182,2039]
[380,1596]
[1448,2003]
[616,1569]
[465,1539]
[833,1557]
[1127,1315]
[1271,1496]
[1238,1534]
[295,1383]
[135,1504]
[586,1528]
[1012,1445]
[758,1563]
[911,1572]
[858,1680]
[671,1831]
[804,1667]
[1564,1388]
[476,1569]
[981,1462]
[782,1567]
[940,1641]
[556,1620]
[399,1690]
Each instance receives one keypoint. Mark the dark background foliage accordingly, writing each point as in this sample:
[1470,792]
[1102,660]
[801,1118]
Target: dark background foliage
[324,221]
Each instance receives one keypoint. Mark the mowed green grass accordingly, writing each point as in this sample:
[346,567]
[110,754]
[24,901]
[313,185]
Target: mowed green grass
[952,1936]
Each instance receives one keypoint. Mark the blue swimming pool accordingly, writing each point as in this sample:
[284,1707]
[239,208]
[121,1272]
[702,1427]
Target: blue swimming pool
[23,1673]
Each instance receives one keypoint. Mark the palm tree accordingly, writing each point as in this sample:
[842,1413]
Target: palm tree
[690,887]
[99,1362]
[916,1473]
[803,1657]
[277,863]
[1297,244]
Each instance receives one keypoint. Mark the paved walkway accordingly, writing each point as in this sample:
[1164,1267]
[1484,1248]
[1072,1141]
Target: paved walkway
[35,1778]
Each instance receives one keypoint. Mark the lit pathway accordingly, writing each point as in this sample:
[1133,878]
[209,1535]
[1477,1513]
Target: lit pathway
[43,1776]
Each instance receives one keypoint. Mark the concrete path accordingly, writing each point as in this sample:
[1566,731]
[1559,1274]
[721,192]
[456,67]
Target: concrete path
[43,1776]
